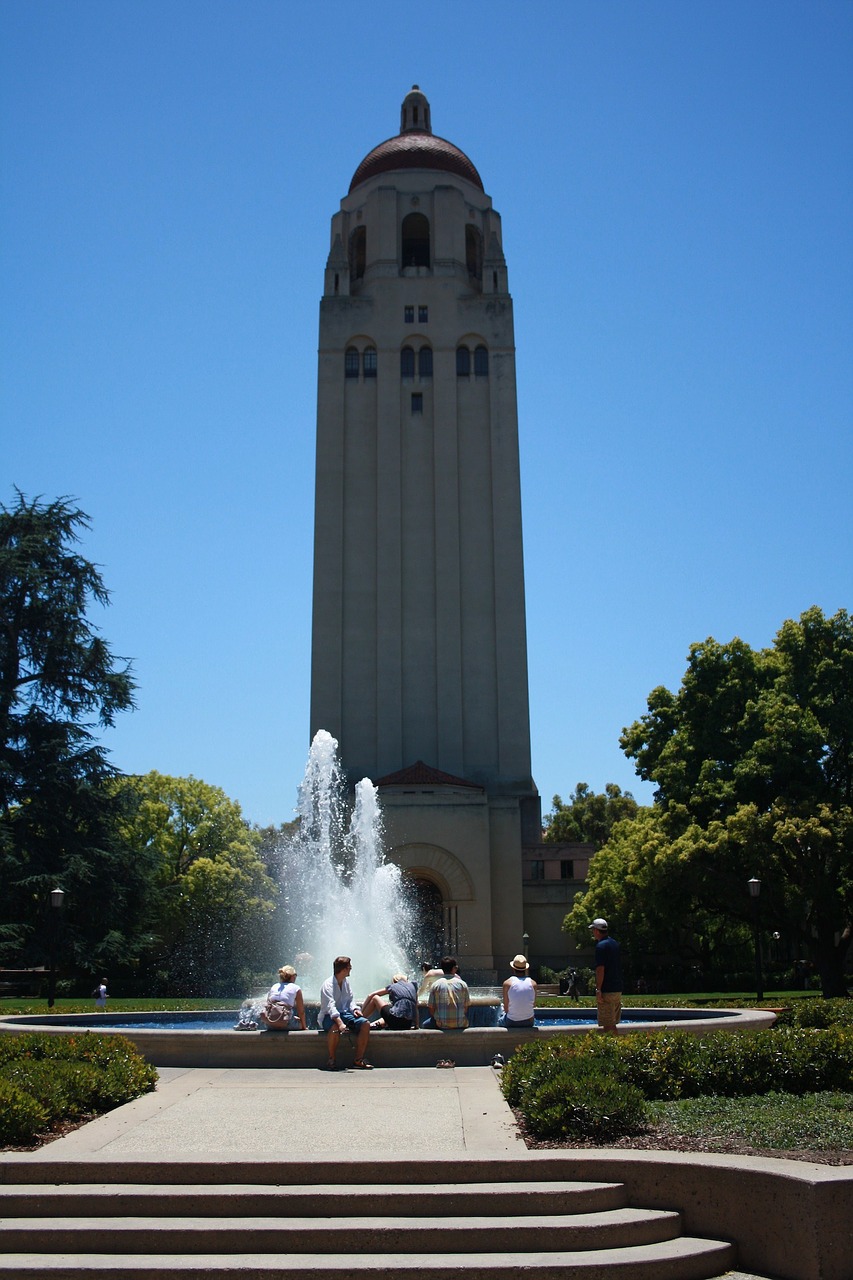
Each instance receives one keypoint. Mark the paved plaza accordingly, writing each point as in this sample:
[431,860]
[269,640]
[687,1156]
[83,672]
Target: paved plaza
[300,1113]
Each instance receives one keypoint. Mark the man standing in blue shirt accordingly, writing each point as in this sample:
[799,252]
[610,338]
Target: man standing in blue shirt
[608,976]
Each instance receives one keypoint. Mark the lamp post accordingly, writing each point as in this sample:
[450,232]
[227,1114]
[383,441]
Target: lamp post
[754,886]
[56,897]
[525,945]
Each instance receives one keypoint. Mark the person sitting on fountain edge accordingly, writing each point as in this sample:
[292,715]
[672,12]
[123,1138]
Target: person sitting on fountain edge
[400,1012]
[449,998]
[338,1013]
[519,996]
[284,1004]
[430,975]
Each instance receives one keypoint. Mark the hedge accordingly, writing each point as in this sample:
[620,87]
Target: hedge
[615,1076]
[48,1078]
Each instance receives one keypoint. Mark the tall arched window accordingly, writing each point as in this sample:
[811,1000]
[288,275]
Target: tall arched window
[425,362]
[474,252]
[463,362]
[407,363]
[369,363]
[481,363]
[351,363]
[357,253]
[415,240]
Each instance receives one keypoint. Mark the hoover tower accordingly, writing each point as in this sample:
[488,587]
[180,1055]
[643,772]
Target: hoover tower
[419,651]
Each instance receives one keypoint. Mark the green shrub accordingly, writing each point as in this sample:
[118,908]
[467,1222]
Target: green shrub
[582,1101]
[535,1062]
[126,1073]
[589,1086]
[818,1013]
[67,1076]
[65,1090]
[21,1117]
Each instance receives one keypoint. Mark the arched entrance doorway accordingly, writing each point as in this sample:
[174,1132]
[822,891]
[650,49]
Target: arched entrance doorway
[430,932]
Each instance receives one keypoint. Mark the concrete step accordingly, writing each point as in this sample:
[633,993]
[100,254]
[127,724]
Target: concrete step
[341,1234]
[217,1200]
[681,1259]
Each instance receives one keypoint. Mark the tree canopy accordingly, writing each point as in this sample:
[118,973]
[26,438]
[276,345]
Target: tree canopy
[589,817]
[59,681]
[211,894]
[753,763]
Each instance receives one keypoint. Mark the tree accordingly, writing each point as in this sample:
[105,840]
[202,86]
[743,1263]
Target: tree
[58,682]
[589,817]
[753,763]
[213,897]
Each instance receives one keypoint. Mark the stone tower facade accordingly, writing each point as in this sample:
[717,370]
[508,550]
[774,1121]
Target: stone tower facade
[419,652]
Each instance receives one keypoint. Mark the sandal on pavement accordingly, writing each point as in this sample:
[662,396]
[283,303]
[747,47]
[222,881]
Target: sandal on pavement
[445,1062]
[330,1066]
[361,1065]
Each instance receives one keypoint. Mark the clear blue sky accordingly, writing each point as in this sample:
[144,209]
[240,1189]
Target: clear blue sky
[676,187]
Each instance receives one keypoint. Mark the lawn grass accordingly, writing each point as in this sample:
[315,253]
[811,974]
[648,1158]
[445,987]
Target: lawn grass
[773,1121]
[30,1004]
[700,999]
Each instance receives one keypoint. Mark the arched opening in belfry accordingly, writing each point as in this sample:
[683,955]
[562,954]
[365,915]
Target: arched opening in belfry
[474,252]
[357,253]
[430,932]
[415,233]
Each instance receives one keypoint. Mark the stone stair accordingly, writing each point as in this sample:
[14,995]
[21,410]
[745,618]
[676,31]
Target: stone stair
[291,1220]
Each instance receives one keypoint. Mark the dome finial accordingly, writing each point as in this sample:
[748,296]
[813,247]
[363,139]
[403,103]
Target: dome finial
[414,114]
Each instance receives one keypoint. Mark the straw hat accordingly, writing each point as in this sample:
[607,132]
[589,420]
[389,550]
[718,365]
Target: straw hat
[520,963]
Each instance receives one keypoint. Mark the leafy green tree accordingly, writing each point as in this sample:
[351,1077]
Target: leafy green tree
[59,681]
[213,895]
[589,817]
[753,763]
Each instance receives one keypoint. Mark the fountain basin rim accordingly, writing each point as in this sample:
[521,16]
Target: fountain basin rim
[475,1046]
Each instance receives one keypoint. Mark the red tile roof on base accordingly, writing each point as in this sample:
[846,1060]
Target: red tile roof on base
[423,775]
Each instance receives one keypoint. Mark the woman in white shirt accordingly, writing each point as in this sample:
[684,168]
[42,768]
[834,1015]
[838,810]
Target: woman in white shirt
[284,1003]
[519,996]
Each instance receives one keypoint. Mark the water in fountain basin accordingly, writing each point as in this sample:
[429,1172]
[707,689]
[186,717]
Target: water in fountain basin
[341,896]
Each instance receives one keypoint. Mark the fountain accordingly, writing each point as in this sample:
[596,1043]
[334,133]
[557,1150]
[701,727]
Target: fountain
[341,896]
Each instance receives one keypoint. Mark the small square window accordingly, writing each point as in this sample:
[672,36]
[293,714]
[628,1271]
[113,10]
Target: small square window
[417,402]
[408,315]
[537,870]
[423,315]
[567,869]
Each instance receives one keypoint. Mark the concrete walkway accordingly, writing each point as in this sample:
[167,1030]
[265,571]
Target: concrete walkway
[303,1113]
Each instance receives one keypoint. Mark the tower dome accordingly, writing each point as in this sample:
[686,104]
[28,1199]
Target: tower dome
[416,147]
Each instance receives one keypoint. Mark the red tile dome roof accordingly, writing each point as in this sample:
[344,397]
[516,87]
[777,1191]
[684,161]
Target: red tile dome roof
[415,150]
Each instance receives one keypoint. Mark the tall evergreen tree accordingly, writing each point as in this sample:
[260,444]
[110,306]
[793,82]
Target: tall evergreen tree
[58,683]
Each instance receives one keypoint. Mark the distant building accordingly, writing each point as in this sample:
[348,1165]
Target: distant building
[553,875]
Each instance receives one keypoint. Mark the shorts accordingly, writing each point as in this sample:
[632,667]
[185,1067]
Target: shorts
[508,1022]
[610,1009]
[392,1022]
[351,1021]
